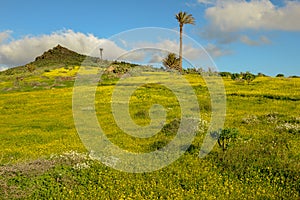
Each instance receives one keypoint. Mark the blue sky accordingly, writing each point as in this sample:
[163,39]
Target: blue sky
[254,35]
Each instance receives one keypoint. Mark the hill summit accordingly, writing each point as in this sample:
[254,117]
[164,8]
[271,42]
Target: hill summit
[57,52]
[54,58]
[59,55]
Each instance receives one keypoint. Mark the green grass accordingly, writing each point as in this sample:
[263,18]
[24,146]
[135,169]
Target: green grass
[42,156]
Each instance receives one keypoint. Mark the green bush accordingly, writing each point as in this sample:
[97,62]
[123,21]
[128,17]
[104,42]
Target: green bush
[30,67]
[225,137]
[248,77]
[225,74]
[157,145]
[171,61]
[171,128]
[280,75]
[235,76]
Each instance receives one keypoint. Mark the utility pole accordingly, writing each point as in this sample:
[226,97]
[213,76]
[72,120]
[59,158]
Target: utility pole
[101,50]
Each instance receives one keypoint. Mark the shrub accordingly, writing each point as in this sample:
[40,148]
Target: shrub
[142,114]
[171,61]
[171,128]
[191,71]
[248,77]
[235,76]
[225,74]
[294,76]
[30,68]
[261,75]
[192,149]
[280,75]
[225,137]
[157,145]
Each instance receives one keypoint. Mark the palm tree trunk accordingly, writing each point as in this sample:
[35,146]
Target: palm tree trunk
[180,50]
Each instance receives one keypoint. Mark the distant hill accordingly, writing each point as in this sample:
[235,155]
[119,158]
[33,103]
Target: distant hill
[59,55]
[62,57]
[54,58]
[58,67]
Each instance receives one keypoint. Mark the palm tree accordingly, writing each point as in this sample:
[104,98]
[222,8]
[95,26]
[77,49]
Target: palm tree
[183,18]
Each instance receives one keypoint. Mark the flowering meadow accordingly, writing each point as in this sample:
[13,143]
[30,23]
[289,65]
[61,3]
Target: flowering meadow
[43,157]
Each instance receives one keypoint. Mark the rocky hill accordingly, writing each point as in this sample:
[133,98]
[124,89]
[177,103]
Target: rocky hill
[58,52]
[54,58]
[61,55]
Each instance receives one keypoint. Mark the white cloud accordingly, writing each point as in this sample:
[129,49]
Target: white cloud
[216,51]
[235,15]
[157,58]
[207,2]
[189,52]
[24,50]
[229,20]
[265,40]
[196,55]
[133,56]
[144,55]
[213,33]
[245,39]
[262,40]
[5,35]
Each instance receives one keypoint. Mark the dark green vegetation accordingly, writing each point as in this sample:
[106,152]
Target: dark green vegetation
[225,137]
[42,156]
[171,62]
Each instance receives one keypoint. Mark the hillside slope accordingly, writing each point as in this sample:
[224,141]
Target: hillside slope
[54,58]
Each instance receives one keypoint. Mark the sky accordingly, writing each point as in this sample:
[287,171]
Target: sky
[238,35]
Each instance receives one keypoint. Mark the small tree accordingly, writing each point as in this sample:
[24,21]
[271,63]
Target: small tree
[280,75]
[225,137]
[225,74]
[248,77]
[261,75]
[171,61]
[191,71]
[235,76]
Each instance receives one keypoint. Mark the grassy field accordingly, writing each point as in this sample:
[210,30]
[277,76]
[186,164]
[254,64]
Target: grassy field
[42,156]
